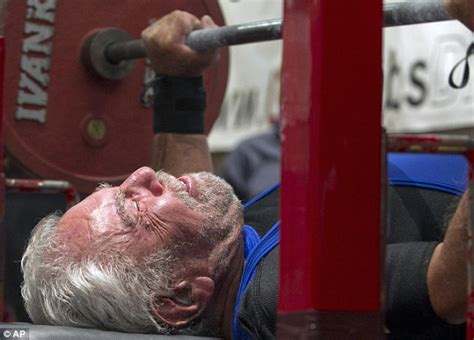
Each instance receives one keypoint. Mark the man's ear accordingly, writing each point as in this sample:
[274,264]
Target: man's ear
[190,298]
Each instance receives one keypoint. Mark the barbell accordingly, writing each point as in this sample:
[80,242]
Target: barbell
[111,52]
[64,122]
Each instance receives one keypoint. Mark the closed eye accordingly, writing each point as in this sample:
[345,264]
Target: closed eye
[121,210]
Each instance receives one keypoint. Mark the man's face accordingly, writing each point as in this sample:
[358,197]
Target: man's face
[147,212]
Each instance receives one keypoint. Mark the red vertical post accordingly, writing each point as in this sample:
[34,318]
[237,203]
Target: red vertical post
[2,184]
[330,264]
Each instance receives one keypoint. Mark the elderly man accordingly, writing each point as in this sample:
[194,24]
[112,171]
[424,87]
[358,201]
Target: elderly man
[154,254]
[165,254]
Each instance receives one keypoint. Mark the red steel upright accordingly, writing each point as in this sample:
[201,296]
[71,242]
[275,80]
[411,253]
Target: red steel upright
[331,239]
[2,184]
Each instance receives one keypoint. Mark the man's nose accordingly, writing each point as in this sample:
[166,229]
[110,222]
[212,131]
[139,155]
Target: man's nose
[142,182]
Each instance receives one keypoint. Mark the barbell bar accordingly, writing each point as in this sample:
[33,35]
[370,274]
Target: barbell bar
[110,52]
[414,12]
[204,39]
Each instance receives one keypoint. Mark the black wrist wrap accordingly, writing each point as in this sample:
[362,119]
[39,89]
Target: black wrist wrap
[179,105]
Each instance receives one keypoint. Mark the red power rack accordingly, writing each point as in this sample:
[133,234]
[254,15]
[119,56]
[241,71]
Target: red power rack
[332,195]
[331,240]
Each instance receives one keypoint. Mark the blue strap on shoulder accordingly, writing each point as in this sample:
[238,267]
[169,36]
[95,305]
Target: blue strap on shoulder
[254,250]
[447,173]
[269,241]
[251,239]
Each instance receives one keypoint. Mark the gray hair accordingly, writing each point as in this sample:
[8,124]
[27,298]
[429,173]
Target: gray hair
[116,291]
[112,293]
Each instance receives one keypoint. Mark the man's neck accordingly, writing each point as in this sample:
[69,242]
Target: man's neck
[227,292]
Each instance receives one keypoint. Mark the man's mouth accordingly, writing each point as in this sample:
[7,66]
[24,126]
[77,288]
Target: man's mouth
[187,184]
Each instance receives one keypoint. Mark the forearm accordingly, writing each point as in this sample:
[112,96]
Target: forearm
[448,268]
[180,153]
[179,143]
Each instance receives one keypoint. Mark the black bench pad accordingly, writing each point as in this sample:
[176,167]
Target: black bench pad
[42,332]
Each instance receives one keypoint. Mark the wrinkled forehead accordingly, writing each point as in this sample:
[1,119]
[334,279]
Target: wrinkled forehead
[88,208]
[79,223]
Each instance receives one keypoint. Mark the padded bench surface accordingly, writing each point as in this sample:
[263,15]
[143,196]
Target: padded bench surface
[42,332]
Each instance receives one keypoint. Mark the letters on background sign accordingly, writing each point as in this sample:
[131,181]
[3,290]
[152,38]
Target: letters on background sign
[35,62]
